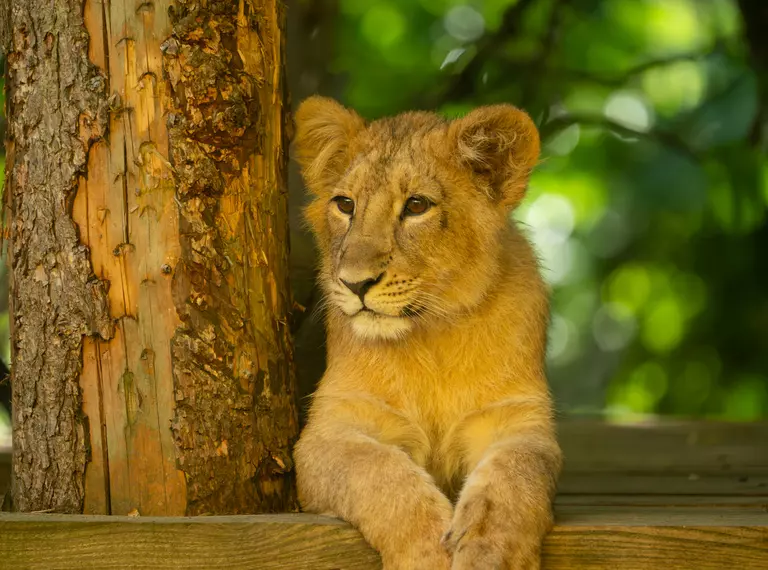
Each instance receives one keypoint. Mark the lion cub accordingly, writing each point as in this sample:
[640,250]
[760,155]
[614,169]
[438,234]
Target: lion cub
[432,430]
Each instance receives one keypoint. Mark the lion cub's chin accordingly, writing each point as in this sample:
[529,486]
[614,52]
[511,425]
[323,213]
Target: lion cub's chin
[371,326]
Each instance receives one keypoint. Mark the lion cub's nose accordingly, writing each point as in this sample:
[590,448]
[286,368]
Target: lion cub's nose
[360,288]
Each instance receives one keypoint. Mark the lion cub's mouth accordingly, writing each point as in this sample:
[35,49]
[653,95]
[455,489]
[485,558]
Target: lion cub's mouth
[373,314]
[407,312]
[370,324]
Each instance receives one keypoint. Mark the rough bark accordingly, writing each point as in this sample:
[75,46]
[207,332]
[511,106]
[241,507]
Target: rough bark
[235,414]
[57,107]
[152,359]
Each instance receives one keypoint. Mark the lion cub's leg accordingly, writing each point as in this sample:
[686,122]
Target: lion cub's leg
[378,489]
[504,509]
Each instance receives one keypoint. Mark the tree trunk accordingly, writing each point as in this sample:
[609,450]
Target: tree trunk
[152,362]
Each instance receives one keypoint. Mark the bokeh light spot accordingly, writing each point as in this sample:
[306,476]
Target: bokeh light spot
[464,23]
[565,141]
[613,327]
[552,218]
[562,340]
[630,286]
[673,25]
[748,399]
[629,110]
[663,325]
[676,87]
[383,25]
[640,392]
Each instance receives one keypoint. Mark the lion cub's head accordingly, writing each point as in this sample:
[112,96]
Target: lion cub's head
[408,211]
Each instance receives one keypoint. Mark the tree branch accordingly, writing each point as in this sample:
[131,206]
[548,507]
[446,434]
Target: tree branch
[666,138]
[619,79]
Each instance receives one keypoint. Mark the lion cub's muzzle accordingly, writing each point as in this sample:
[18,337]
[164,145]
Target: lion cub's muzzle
[378,307]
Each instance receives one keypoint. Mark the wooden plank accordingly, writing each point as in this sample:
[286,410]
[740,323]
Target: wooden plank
[254,542]
[664,445]
[664,458]
[652,483]
[651,538]
[759,502]
[662,517]
[584,538]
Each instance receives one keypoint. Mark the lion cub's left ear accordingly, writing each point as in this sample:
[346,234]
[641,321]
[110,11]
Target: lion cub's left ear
[500,144]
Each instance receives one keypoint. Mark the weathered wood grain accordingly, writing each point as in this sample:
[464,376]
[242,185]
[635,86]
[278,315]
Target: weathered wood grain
[664,458]
[759,502]
[660,483]
[254,542]
[585,538]
[664,446]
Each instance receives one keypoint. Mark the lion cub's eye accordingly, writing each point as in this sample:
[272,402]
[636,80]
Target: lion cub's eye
[345,205]
[416,205]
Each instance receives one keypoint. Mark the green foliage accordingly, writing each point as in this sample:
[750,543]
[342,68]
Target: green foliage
[648,208]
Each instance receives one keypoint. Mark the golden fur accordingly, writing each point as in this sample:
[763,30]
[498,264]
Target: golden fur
[431,430]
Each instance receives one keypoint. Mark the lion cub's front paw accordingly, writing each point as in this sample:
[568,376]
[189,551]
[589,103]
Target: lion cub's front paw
[419,554]
[416,544]
[484,536]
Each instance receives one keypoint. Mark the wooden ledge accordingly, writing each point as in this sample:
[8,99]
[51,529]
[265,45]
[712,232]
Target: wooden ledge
[669,495]
[586,537]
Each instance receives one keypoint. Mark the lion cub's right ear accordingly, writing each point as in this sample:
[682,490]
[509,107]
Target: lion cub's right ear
[324,131]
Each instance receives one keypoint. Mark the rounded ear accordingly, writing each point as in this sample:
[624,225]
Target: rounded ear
[324,130]
[500,145]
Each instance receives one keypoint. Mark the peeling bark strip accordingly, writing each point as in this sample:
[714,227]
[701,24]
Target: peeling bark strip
[235,414]
[57,109]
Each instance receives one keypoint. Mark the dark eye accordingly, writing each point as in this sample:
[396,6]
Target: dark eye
[345,205]
[416,205]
